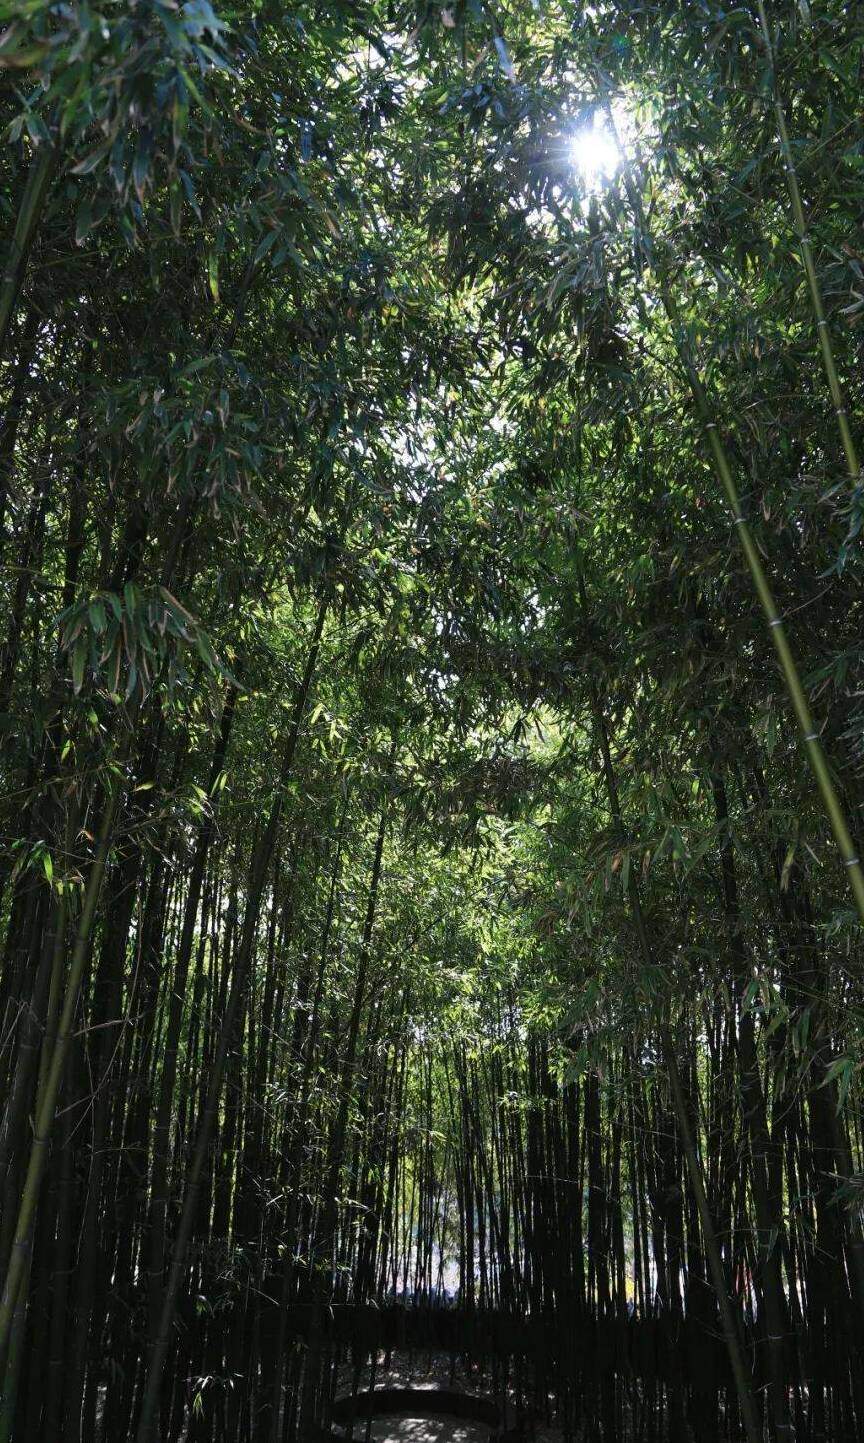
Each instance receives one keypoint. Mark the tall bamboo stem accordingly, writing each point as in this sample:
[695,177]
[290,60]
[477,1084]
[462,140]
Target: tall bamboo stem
[799,222]
[260,864]
[813,747]
[32,203]
[19,1259]
[728,1320]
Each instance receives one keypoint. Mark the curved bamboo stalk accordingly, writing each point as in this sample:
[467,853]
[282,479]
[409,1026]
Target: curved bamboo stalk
[29,213]
[813,747]
[15,1351]
[19,1259]
[799,223]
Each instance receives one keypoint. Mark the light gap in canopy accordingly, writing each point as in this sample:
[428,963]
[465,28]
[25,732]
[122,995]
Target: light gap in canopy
[595,152]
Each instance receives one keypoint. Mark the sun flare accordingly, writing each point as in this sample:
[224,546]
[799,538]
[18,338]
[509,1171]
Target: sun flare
[595,152]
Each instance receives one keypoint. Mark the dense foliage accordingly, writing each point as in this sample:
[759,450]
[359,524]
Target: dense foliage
[431,709]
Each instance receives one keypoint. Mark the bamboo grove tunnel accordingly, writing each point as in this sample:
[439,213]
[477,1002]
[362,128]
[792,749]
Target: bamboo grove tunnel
[431,722]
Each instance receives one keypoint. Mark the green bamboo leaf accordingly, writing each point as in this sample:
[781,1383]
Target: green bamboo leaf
[213,275]
[78,660]
[98,616]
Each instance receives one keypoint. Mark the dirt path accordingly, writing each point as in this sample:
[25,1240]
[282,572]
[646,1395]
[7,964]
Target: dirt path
[426,1430]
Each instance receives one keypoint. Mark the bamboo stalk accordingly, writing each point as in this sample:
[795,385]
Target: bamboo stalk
[728,1321]
[32,204]
[813,747]
[799,223]
[261,861]
[19,1259]
[14,1358]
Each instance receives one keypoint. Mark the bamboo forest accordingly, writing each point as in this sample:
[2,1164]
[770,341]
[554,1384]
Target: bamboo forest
[431,721]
